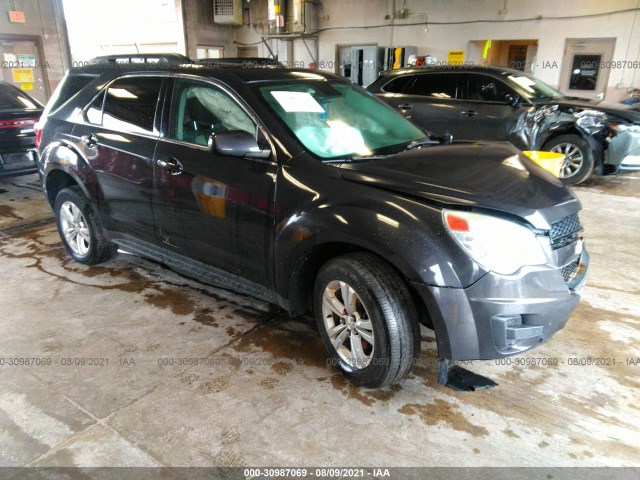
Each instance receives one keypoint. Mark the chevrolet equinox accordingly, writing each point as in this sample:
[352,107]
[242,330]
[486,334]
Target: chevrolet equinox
[301,189]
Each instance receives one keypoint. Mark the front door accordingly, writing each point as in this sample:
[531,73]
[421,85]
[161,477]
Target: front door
[24,67]
[586,66]
[486,113]
[214,208]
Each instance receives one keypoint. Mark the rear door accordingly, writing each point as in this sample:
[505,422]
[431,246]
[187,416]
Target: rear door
[430,101]
[213,208]
[118,139]
[486,113]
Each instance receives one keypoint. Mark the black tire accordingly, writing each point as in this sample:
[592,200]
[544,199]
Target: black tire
[581,168]
[387,302]
[98,249]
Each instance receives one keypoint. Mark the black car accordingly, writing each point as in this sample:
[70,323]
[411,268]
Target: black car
[19,113]
[306,191]
[492,103]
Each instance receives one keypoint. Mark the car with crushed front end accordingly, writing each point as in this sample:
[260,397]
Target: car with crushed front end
[19,112]
[495,103]
[303,190]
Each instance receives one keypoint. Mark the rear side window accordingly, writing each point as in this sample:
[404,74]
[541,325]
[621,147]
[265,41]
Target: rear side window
[398,84]
[130,104]
[435,85]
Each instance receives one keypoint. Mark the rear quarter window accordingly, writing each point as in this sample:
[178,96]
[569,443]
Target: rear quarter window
[70,85]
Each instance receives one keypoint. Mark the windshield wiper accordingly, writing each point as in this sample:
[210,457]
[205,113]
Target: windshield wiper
[421,143]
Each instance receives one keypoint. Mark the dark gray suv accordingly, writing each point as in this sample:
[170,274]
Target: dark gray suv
[306,191]
[493,103]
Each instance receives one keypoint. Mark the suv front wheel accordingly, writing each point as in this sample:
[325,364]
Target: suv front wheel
[80,229]
[367,319]
[578,162]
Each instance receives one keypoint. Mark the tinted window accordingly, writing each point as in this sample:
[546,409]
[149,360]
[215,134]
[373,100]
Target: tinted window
[398,84]
[200,109]
[69,86]
[130,104]
[487,89]
[435,85]
[93,114]
[12,98]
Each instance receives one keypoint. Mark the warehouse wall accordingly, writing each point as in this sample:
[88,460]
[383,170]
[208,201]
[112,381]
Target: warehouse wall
[437,40]
[43,24]
[198,28]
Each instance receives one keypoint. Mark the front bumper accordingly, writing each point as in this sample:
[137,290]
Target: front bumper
[499,316]
[624,151]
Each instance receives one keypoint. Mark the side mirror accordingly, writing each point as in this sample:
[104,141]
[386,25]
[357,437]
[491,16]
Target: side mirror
[513,99]
[237,143]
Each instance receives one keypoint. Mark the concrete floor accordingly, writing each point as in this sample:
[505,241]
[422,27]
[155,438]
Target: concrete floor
[261,394]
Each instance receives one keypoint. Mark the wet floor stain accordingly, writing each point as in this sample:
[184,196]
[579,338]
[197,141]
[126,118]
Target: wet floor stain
[217,385]
[205,316]
[7,211]
[175,300]
[282,368]
[269,383]
[445,412]
[301,347]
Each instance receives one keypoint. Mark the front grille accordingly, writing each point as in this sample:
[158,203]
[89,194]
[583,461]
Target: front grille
[565,231]
[569,271]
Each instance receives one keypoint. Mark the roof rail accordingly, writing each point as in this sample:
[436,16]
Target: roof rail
[141,58]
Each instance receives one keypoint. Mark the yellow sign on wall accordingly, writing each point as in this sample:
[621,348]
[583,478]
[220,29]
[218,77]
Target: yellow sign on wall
[22,75]
[26,86]
[455,57]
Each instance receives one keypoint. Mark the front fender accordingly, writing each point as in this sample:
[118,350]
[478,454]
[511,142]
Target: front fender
[408,234]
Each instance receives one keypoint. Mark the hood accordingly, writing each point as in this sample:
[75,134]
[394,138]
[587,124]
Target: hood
[577,105]
[493,176]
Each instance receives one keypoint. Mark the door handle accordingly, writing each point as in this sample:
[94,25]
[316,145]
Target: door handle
[173,166]
[90,140]
[404,106]
[469,113]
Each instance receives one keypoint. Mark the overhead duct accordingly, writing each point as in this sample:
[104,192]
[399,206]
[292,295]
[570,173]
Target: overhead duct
[276,14]
[302,16]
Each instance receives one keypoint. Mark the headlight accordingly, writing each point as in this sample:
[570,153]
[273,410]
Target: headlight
[496,244]
[624,127]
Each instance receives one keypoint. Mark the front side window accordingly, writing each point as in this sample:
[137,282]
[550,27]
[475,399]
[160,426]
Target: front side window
[531,86]
[483,88]
[199,109]
[435,85]
[129,104]
[337,120]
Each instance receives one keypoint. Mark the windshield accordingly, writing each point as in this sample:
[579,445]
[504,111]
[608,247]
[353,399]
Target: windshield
[533,87]
[336,120]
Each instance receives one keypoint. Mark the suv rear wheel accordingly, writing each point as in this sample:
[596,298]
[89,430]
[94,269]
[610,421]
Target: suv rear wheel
[80,229]
[367,319]
[578,162]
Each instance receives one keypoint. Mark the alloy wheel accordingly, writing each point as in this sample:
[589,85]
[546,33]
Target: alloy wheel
[348,324]
[75,229]
[573,159]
